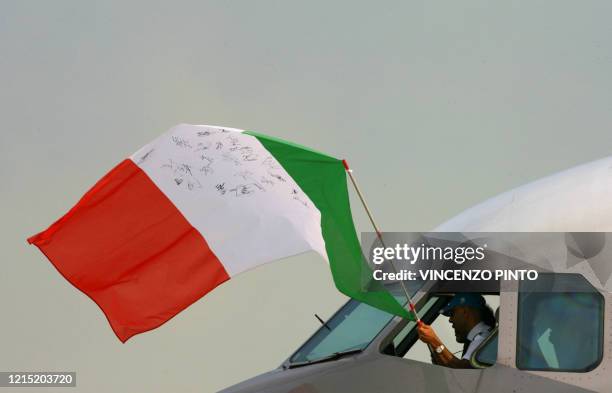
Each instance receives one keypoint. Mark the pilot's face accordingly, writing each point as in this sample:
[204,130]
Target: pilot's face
[458,320]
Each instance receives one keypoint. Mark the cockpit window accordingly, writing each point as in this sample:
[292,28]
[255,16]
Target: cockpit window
[407,345]
[353,327]
[560,324]
[401,336]
[487,354]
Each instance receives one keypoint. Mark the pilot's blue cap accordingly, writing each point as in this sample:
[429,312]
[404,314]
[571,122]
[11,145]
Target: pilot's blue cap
[474,300]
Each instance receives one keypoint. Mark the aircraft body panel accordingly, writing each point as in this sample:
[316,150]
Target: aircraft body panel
[575,200]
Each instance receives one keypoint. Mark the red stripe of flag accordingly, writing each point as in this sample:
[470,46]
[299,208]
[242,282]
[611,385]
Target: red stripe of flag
[127,247]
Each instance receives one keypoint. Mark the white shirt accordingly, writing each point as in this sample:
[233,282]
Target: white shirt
[476,336]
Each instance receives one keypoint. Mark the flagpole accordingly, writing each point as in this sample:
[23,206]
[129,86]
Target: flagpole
[379,235]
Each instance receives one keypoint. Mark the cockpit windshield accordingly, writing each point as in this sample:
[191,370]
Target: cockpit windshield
[352,328]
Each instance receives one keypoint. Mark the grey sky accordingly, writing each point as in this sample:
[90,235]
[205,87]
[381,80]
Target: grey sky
[436,107]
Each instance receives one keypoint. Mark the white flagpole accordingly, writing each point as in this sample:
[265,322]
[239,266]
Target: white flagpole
[379,235]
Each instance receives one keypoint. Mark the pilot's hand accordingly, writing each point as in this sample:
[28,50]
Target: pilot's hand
[427,334]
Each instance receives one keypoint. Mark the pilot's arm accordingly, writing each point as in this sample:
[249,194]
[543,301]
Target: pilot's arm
[445,357]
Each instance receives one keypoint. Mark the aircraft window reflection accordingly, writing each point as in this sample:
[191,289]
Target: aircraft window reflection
[560,324]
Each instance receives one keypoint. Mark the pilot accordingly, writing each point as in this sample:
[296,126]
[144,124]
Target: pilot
[472,320]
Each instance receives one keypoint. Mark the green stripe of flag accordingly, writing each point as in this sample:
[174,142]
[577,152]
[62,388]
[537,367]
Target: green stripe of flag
[323,179]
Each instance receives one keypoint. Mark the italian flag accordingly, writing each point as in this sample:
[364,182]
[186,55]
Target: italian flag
[192,209]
